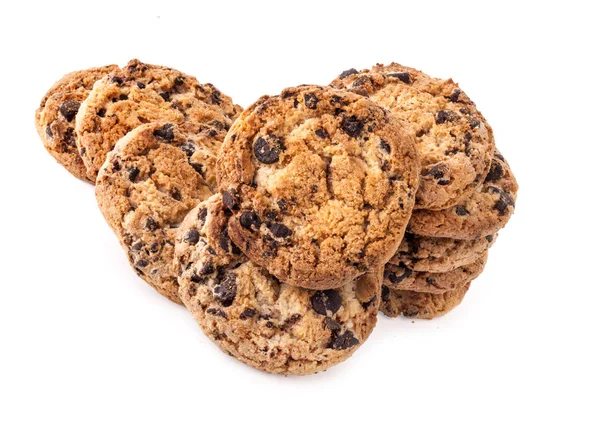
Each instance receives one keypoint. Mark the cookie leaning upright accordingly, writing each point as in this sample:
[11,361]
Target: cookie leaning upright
[55,118]
[249,314]
[153,178]
[142,93]
[321,184]
[454,142]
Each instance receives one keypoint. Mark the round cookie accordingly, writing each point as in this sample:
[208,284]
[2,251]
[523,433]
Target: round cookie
[142,93]
[402,278]
[320,183]
[420,305]
[454,141]
[55,118]
[153,178]
[249,314]
[430,254]
[483,213]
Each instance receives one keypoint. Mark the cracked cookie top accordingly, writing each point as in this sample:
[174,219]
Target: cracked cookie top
[55,118]
[454,142]
[249,314]
[320,182]
[142,93]
[153,178]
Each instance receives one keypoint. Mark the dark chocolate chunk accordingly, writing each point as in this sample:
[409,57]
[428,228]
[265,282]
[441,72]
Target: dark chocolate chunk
[496,172]
[461,211]
[324,301]
[101,112]
[343,341]
[311,100]
[217,312]
[267,148]
[385,293]
[141,263]
[352,126]
[437,171]
[385,146]
[249,220]
[178,81]
[225,292]
[191,236]
[189,148]
[176,195]
[395,279]
[69,109]
[279,230]
[165,96]
[444,116]
[402,76]
[48,131]
[141,85]
[248,313]
[454,96]
[150,224]
[133,173]
[165,132]
[322,133]
[490,238]
[504,203]
[346,73]
[230,201]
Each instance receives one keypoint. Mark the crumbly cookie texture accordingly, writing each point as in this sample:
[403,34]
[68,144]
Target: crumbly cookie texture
[400,277]
[420,305]
[320,182]
[483,213]
[252,316]
[454,141]
[55,118]
[143,93]
[430,254]
[153,178]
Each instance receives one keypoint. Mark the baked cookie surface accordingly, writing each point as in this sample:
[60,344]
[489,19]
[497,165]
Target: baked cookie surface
[430,254]
[483,213]
[420,305]
[153,178]
[320,183]
[55,118]
[252,316]
[142,93]
[400,277]
[454,142]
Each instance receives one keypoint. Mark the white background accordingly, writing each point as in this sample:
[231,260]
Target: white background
[90,356]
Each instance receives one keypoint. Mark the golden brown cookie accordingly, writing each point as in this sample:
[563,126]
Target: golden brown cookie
[454,141]
[143,93]
[320,183]
[252,316]
[420,305]
[55,118]
[430,254]
[483,213]
[153,178]
[400,277]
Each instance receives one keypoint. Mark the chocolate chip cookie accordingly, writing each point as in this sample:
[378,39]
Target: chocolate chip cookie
[483,213]
[400,277]
[320,183]
[454,141]
[430,254]
[252,316]
[420,305]
[55,118]
[153,178]
[143,93]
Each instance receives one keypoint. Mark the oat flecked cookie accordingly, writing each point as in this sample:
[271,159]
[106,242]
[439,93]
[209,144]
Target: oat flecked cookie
[153,178]
[483,213]
[320,183]
[55,118]
[252,316]
[400,277]
[454,141]
[430,254]
[420,305]
[142,93]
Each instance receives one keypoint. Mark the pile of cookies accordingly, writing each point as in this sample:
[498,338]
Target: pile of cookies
[285,228]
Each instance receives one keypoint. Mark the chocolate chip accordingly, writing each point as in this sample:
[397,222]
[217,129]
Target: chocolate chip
[165,96]
[455,94]
[437,171]
[343,341]
[141,263]
[141,85]
[202,216]
[101,112]
[178,81]
[249,219]
[154,248]
[230,201]
[489,238]
[461,211]
[323,301]
[151,224]
[189,148]
[322,133]
[444,116]
[215,97]
[346,73]
[224,240]
[116,166]
[496,172]
[137,246]
[216,312]
[176,195]
[226,291]
[49,131]
[366,305]
[133,173]
[402,76]
[311,100]
[443,182]
[69,109]
[430,281]
[207,269]
[279,230]
[352,126]
[117,80]
[267,148]
[503,203]
[385,146]
[123,97]
[248,313]
[165,132]
[395,279]
[385,293]
[282,204]
[361,81]
[473,122]
[191,236]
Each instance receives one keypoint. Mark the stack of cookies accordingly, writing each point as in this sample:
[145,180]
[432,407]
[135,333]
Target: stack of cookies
[282,228]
